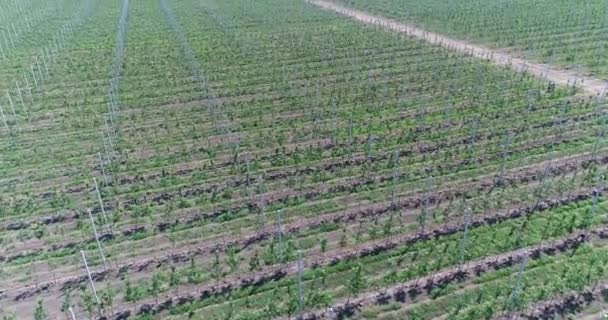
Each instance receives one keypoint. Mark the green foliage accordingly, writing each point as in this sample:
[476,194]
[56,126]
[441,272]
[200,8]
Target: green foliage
[10,316]
[67,301]
[357,281]
[39,312]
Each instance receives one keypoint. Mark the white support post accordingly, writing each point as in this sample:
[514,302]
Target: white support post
[522,265]
[14,32]
[2,51]
[27,86]
[103,210]
[13,111]
[103,256]
[505,155]
[261,202]
[34,75]
[6,45]
[103,171]
[279,235]
[110,144]
[21,99]
[72,313]
[44,62]
[42,79]
[8,130]
[105,146]
[49,55]
[300,272]
[427,202]
[395,176]
[84,260]
[110,128]
[10,101]
[463,240]
[11,39]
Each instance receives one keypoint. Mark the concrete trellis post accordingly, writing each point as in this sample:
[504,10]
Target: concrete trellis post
[44,62]
[34,75]
[10,38]
[427,202]
[463,240]
[473,135]
[6,45]
[2,51]
[103,171]
[522,265]
[279,235]
[72,313]
[370,142]
[49,55]
[10,101]
[505,154]
[103,257]
[261,201]
[86,265]
[394,179]
[13,110]
[103,210]
[105,146]
[248,183]
[8,130]
[21,98]
[350,137]
[27,86]
[14,31]
[42,79]
[300,272]
[334,127]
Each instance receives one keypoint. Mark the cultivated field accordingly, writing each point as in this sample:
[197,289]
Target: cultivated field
[570,34]
[274,159]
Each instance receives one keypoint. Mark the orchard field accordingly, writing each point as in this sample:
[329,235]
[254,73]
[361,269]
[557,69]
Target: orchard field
[269,159]
[571,34]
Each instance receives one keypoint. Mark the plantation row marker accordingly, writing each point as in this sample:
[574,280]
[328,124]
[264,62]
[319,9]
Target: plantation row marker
[427,203]
[261,202]
[522,265]
[8,130]
[103,210]
[103,171]
[86,266]
[215,109]
[563,77]
[21,99]
[300,272]
[505,154]
[103,257]
[463,240]
[279,235]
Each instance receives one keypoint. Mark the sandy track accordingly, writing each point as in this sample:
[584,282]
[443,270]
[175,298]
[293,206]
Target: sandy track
[563,77]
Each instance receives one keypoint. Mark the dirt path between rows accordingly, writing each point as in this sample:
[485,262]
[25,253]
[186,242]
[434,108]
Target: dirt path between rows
[559,76]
